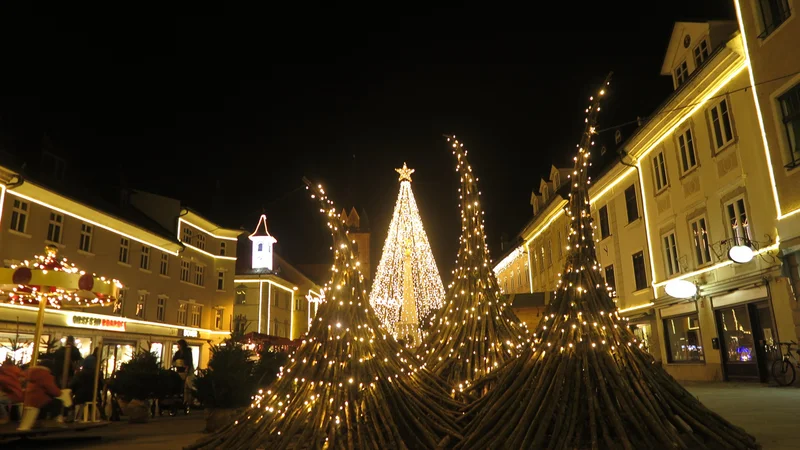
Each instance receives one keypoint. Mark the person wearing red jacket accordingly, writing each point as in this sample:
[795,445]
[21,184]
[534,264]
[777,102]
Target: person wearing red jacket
[42,396]
[10,388]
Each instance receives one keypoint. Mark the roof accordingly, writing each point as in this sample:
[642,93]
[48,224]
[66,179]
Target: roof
[261,229]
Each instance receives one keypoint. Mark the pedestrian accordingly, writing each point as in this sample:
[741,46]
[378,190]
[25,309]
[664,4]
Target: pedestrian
[59,361]
[183,362]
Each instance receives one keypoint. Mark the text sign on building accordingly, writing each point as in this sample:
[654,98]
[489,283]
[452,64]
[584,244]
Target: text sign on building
[78,320]
[190,333]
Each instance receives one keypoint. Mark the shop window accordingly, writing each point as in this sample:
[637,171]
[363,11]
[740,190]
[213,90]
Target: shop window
[737,334]
[157,349]
[195,354]
[683,341]
[643,333]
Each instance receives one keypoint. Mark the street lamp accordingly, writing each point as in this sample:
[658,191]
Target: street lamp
[741,254]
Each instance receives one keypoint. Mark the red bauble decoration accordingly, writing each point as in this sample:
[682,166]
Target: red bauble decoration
[86,282]
[22,275]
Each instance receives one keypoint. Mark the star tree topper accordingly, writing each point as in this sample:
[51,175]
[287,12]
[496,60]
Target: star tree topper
[405,173]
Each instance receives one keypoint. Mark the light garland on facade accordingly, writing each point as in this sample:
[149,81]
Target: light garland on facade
[406,253]
[349,384]
[476,330]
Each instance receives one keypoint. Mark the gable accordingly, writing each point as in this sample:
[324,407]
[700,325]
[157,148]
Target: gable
[684,37]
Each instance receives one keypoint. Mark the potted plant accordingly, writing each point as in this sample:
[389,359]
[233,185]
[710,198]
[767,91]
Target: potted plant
[226,386]
[134,384]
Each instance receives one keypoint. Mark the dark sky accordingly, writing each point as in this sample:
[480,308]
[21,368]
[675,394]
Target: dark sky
[255,100]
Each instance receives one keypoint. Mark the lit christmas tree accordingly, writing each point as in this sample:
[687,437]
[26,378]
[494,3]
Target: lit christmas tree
[407,286]
[585,382]
[350,385]
[476,330]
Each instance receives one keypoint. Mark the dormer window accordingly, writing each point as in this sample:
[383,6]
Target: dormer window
[556,181]
[545,194]
[681,74]
[701,52]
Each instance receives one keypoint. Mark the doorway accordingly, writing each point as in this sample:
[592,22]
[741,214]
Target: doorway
[747,339]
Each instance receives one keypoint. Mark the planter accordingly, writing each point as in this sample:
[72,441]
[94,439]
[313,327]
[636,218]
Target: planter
[218,418]
[138,411]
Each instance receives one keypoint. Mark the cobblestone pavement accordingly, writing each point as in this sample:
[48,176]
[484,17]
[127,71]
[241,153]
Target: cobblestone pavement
[769,413]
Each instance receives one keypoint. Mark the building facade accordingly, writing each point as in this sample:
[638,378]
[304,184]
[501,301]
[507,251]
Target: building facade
[272,297]
[692,191]
[176,268]
[771,29]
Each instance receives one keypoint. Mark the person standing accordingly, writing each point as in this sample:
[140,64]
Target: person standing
[183,362]
[68,351]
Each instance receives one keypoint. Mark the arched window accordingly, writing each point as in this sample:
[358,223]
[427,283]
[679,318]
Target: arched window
[260,246]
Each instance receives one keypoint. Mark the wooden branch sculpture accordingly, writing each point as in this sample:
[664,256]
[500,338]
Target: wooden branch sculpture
[585,382]
[476,330]
[349,385]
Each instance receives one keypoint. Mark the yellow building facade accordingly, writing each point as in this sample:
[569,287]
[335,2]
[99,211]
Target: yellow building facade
[177,273]
[694,182]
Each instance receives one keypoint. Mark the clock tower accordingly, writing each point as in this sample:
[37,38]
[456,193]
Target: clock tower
[262,245]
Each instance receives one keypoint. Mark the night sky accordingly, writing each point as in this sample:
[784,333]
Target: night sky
[254,101]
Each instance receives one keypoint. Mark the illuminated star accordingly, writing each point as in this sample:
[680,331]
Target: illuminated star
[405,172]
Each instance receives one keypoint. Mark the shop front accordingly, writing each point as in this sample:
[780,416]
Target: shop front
[748,338]
[118,337]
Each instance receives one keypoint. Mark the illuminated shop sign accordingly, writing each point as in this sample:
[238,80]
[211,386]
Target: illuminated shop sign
[190,333]
[96,322]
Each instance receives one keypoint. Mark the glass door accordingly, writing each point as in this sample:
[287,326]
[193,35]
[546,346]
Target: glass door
[766,336]
[737,343]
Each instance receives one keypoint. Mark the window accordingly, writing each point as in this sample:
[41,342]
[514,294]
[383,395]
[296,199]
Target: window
[196,313]
[187,235]
[660,171]
[182,308]
[124,250]
[683,339]
[85,242]
[542,267]
[604,228]
[201,241]
[241,295]
[701,52]
[773,14]
[549,253]
[54,227]
[790,110]
[164,268]
[681,74]
[219,314]
[560,245]
[721,124]
[702,253]
[141,304]
[639,274]
[738,225]
[631,204]
[144,261]
[670,250]
[199,275]
[611,282]
[19,216]
[260,247]
[220,280]
[686,148]
[119,305]
[185,266]
[161,309]
[222,249]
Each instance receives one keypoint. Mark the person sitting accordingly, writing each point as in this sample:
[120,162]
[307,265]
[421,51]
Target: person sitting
[10,389]
[43,397]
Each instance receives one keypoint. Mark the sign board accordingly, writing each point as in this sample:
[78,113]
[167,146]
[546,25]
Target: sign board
[190,333]
[77,320]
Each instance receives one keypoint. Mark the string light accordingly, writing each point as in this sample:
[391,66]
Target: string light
[407,285]
[79,293]
[349,379]
[476,330]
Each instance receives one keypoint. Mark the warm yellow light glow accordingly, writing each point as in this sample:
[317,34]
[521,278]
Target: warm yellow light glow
[208,232]
[753,87]
[229,258]
[401,303]
[92,222]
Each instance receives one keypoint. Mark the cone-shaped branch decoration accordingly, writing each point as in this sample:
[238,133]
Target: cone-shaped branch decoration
[407,285]
[585,382]
[349,385]
[476,330]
